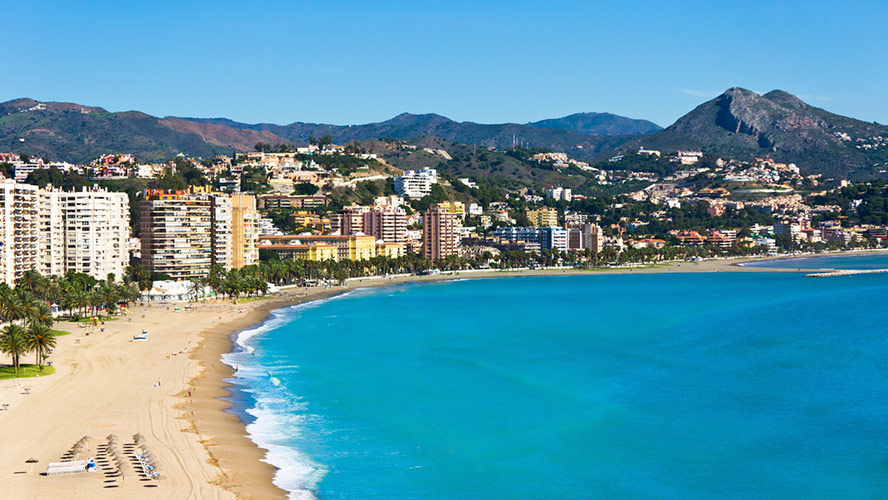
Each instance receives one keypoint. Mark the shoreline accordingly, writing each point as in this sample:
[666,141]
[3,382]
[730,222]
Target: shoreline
[103,385]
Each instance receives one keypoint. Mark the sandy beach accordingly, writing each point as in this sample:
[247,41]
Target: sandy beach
[105,383]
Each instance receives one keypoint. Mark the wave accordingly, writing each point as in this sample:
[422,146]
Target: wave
[278,416]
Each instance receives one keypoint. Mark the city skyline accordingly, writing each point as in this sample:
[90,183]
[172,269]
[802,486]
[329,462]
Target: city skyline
[488,64]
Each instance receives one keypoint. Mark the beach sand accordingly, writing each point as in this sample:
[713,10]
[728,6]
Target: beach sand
[105,383]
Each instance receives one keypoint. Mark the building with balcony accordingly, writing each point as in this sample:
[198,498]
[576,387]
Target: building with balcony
[439,233]
[416,183]
[84,231]
[19,230]
[184,233]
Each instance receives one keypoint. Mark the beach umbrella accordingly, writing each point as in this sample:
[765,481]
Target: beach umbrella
[123,469]
[31,461]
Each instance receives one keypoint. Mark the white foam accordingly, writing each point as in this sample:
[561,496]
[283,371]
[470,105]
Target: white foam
[279,417]
[272,429]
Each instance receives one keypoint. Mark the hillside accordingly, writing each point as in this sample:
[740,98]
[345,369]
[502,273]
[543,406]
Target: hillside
[75,133]
[599,124]
[510,169]
[740,123]
[410,126]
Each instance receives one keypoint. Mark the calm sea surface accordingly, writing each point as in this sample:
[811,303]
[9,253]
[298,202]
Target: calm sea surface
[692,386]
[860,261]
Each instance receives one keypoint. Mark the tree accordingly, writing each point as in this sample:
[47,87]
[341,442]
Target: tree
[304,188]
[14,343]
[41,340]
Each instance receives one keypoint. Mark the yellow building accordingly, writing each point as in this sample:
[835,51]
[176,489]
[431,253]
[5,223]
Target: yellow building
[544,217]
[457,208]
[310,220]
[317,252]
[347,247]
[392,250]
[244,231]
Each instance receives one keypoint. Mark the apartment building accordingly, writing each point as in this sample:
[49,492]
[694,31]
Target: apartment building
[593,237]
[544,217]
[244,231]
[386,224]
[349,220]
[273,201]
[19,230]
[439,233]
[416,183]
[177,233]
[84,231]
[457,208]
[554,238]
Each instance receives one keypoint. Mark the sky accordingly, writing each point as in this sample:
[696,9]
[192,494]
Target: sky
[350,62]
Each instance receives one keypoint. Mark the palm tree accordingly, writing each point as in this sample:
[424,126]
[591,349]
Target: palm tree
[42,315]
[107,294]
[32,281]
[28,306]
[14,343]
[40,339]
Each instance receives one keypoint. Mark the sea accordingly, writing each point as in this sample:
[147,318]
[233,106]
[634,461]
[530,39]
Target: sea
[666,386]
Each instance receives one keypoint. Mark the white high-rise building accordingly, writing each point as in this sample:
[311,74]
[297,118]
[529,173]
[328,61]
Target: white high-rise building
[416,183]
[19,228]
[83,231]
[54,232]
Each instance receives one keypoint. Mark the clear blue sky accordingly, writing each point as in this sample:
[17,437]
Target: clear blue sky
[360,61]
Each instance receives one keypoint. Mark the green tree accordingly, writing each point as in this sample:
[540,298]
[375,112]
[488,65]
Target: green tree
[40,340]
[14,343]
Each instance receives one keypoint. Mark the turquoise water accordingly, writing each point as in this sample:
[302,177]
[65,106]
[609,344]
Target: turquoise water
[692,386]
[861,261]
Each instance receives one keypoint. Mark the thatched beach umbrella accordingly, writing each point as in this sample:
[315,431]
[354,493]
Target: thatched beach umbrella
[31,461]
[123,470]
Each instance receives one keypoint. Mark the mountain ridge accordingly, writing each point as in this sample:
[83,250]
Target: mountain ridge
[738,123]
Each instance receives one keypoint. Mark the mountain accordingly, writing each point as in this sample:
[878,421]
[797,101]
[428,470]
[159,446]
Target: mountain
[76,133]
[411,126]
[599,124]
[743,124]
[737,124]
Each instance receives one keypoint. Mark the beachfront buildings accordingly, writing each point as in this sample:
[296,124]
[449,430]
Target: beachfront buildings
[184,233]
[84,231]
[386,224]
[18,230]
[439,233]
[593,237]
[554,238]
[328,247]
[177,234]
[54,231]
[244,231]
[416,183]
